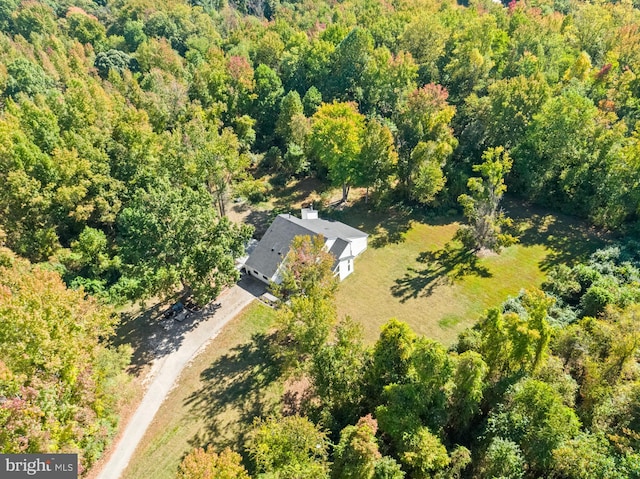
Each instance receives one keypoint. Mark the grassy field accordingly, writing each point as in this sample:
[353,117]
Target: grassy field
[412,271]
[217,396]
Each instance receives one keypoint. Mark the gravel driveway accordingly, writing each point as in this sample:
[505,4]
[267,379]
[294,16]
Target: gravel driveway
[166,370]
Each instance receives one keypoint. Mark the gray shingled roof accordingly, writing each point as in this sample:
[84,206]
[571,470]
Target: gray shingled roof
[338,247]
[329,229]
[274,245]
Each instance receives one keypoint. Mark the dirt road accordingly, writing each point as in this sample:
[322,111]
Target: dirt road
[166,370]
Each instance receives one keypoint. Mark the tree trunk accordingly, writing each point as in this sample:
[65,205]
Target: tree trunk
[366,196]
[223,212]
[345,192]
[218,198]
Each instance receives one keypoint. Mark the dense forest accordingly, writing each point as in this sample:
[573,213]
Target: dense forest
[126,126]
[61,387]
[119,115]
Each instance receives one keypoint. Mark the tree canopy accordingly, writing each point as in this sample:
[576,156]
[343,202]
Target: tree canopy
[60,385]
[127,126]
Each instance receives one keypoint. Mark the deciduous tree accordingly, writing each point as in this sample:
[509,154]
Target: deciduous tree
[208,464]
[336,141]
[535,418]
[378,159]
[426,140]
[356,455]
[289,447]
[307,270]
[481,207]
[60,384]
[171,237]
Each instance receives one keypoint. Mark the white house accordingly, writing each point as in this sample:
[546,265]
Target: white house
[342,241]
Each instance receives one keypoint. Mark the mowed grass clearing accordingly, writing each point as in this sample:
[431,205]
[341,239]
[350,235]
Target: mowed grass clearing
[414,272]
[216,398]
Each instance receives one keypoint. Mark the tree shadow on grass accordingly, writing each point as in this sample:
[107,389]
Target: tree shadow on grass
[260,220]
[298,192]
[444,266]
[385,225]
[391,231]
[568,239]
[234,393]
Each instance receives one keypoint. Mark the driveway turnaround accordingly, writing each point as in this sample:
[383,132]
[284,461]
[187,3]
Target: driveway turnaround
[166,370]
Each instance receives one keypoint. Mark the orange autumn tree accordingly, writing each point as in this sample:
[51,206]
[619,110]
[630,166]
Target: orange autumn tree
[201,464]
[59,383]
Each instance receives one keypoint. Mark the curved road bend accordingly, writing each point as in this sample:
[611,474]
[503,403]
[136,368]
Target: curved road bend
[165,372]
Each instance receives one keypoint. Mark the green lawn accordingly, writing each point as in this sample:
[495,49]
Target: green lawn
[216,398]
[408,274]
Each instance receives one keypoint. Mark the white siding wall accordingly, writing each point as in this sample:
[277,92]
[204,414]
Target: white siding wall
[277,278]
[358,245]
[256,274]
[345,268]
